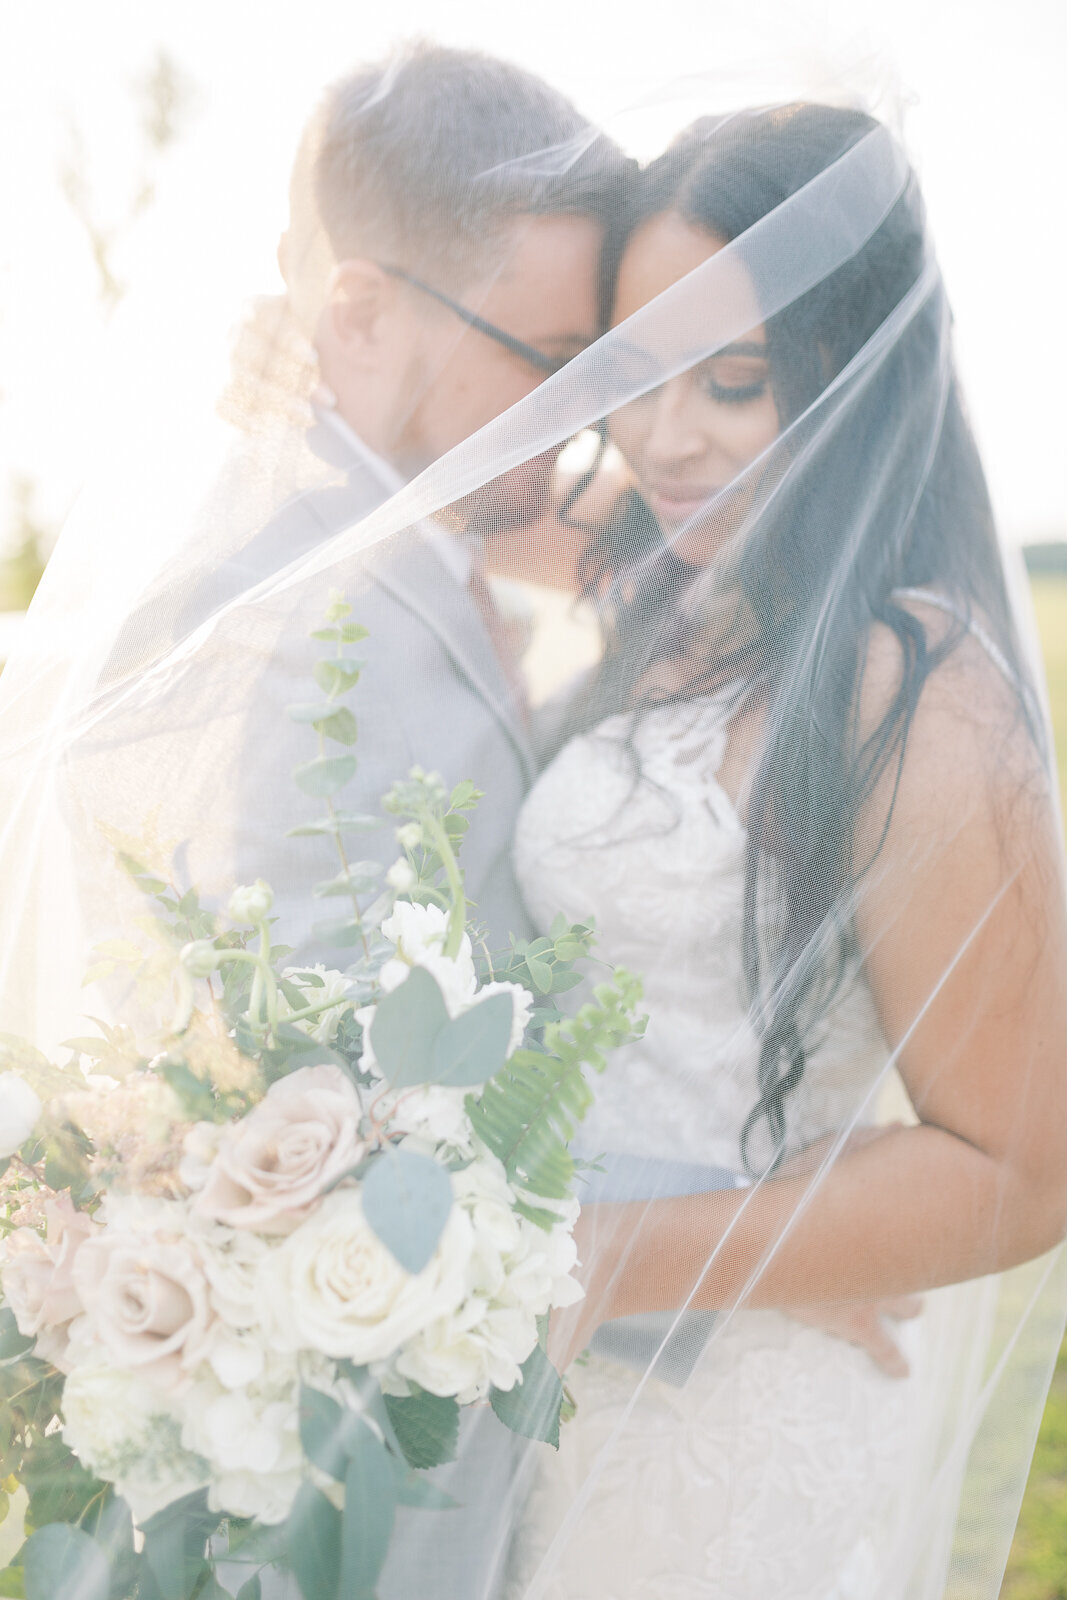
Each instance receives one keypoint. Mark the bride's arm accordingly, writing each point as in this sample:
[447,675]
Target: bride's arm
[964,931]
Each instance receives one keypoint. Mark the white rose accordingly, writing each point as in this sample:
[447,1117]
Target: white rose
[420,934]
[20,1108]
[126,1431]
[272,1166]
[335,1288]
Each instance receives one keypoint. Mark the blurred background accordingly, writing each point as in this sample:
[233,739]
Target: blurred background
[144,156]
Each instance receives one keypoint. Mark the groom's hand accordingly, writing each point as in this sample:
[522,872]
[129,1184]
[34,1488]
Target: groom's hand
[865,1326]
[862,1325]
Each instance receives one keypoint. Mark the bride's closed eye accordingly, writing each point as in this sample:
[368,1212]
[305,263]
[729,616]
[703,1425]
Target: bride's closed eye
[734,379]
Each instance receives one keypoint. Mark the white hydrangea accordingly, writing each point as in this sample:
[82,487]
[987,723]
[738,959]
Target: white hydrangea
[250,1439]
[517,1273]
[129,1432]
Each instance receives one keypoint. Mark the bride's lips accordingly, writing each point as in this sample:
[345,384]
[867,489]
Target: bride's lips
[678,502]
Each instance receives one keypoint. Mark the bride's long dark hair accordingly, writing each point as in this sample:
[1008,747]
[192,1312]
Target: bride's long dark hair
[813,572]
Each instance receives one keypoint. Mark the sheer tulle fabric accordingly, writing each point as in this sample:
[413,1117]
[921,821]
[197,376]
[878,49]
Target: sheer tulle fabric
[721,1448]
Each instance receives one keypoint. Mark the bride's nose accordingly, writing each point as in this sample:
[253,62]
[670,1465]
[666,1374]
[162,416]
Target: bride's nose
[675,435]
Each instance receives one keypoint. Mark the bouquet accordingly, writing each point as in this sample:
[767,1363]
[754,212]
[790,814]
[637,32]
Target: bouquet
[260,1253]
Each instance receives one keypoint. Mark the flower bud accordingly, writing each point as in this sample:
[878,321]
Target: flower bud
[401,876]
[200,959]
[410,835]
[20,1107]
[250,903]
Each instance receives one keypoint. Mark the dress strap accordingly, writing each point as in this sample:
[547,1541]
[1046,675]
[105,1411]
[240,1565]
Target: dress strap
[930,597]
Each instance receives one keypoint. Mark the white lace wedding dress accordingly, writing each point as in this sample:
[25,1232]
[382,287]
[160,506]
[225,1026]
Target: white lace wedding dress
[787,1466]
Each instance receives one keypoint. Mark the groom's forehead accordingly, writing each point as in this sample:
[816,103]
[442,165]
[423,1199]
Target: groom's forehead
[548,269]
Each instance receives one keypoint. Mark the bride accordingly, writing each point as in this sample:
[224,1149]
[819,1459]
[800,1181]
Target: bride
[805,795]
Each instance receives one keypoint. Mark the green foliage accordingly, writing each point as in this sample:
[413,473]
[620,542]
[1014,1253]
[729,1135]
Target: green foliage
[176,1549]
[532,1408]
[62,1560]
[370,1511]
[528,1113]
[314,1544]
[416,1042]
[407,1199]
[426,1426]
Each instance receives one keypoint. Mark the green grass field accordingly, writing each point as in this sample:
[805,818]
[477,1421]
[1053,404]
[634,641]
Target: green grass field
[1037,1569]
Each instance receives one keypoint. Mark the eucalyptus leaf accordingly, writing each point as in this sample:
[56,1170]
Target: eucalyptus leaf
[61,1560]
[344,931]
[562,981]
[344,633]
[336,677]
[336,721]
[252,1590]
[326,775]
[313,1543]
[360,877]
[370,1511]
[405,1027]
[472,1048]
[406,1200]
[540,973]
[175,1543]
[12,1342]
[342,822]
[532,1407]
[327,1430]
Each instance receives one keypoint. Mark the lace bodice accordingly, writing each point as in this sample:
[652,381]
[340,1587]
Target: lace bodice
[645,839]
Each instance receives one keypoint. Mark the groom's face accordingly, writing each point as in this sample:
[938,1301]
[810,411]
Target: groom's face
[543,293]
[415,378]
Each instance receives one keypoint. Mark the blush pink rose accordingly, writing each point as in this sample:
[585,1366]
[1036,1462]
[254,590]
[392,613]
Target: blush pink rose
[39,1280]
[146,1298]
[273,1165]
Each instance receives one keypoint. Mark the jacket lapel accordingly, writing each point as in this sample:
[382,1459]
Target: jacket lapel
[414,575]
[410,569]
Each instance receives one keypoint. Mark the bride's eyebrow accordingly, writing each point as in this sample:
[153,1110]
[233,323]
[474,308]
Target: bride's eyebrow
[741,347]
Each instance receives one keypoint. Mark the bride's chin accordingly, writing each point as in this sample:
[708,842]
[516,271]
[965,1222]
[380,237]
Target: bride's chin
[698,545]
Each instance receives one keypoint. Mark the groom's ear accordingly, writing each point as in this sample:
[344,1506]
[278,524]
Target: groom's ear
[362,309]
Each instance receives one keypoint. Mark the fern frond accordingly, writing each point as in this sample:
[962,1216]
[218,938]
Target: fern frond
[527,1115]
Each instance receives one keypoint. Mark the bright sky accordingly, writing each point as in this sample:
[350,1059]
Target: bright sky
[981,84]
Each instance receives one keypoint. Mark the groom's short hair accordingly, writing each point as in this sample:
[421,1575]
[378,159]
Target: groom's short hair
[421,160]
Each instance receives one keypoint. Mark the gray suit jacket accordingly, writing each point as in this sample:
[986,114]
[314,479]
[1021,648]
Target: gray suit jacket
[432,693]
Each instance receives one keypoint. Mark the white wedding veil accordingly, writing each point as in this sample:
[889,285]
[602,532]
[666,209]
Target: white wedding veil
[787,746]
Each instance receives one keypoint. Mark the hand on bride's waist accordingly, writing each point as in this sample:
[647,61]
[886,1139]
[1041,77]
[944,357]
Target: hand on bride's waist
[606,1233]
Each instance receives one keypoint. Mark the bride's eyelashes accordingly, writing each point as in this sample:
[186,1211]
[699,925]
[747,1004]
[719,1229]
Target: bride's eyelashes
[734,383]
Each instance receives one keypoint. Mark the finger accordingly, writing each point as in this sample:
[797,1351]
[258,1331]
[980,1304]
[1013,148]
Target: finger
[883,1350]
[903,1308]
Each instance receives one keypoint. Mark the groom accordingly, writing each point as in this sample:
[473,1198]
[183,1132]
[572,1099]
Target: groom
[440,278]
